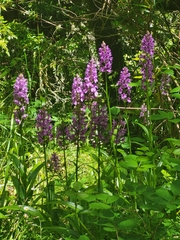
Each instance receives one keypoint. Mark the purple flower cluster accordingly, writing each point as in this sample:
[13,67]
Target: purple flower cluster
[123,84]
[118,130]
[165,84]
[78,128]
[54,160]
[62,132]
[105,58]
[146,59]
[98,124]
[90,81]
[77,94]
[20,95]
[44,127]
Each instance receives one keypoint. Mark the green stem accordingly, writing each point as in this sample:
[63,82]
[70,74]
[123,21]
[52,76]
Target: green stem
[108,102]
[77,159]
[46,172]
[64,155]
[99,168]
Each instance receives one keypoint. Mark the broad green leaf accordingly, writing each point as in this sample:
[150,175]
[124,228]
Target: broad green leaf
[115,111]
[175,187]
[130,223]
[112,199]
[139,153]
[99,206]
[164,193]
[142,159]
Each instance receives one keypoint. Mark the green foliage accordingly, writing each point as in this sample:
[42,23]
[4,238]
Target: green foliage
[129,190]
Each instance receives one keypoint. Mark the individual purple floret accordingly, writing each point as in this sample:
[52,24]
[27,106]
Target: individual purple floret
[90,81]
[105,58]
[98,124]
[143,110]
[146,59]
[118,130]
[55,162]
[20,95]
[77,94]
[44,127]
[123,84]
[165,84]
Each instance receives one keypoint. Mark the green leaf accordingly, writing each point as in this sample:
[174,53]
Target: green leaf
[175,142]
[164,193]
[112,199]
[144,128]
[175,95]
[108,229]
[169,72]
[130,223]
[99,206]
[2,216]
[83,237]
[115,111]
[71,205]
[130,161]
[175,187]
[33,174]
[176,89]
[77,186]
[176,120]
[177,152]
[142,159]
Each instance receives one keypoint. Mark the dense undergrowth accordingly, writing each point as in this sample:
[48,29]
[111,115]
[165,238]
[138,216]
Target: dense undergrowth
[97,171]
